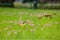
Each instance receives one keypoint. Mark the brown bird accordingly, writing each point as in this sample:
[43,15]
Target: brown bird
[47,15]
[22,23]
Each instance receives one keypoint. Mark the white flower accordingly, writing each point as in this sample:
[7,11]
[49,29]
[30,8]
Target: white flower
[31,14]
[42,29]
[15,22]
[26,13]
[9,34]
[20,18]
[56,22]
[5,28]
[31,30]
[39,15]
[38,24]
[15,32]
[32,25]
[28,21]
[10,14]
[34,29]
[45,25]
[5,12]
[10,21]
[9,26]
[21,13]
[0,30]
[19,30]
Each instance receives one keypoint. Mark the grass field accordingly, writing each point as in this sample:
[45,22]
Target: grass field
[33,29]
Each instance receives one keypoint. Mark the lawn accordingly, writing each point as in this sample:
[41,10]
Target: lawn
[33,28]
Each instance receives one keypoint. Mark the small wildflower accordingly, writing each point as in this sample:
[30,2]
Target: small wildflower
[32,25]
[28,21]
[35,29]
[45,25]
[26,12]
[31,30]
[15,22]
[9,33]
[0,30]
[20,18]
[19,30]
[42,29]
[39,15]
[56,22]
[10,21]
[21,13]
[15,32]
[31,14]
[10,14]
[38,24]
[5,29]
[9,26]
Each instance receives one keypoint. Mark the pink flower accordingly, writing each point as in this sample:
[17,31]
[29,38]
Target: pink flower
[9,33]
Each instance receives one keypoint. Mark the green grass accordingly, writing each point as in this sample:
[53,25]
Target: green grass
[13,14]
